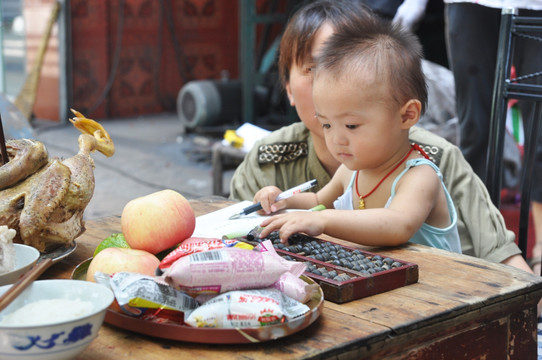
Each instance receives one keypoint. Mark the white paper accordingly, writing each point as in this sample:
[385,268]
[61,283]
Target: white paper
[250,134]
[217,223]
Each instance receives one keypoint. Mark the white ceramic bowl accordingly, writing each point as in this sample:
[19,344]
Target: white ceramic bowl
[25,257]
[58,339]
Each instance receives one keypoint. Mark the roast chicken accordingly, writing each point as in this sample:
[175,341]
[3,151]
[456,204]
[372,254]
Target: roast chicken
[44,198]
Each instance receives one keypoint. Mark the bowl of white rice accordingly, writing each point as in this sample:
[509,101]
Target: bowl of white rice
[52,319]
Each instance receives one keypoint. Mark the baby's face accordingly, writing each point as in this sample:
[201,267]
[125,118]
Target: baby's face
[360,121]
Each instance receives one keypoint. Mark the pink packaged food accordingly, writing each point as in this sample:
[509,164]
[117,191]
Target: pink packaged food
[218,271]
[296,288]
[198,244]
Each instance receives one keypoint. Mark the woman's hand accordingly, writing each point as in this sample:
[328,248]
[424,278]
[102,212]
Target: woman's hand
[310,223]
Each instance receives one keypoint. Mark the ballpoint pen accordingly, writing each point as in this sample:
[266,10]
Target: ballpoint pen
[284,195]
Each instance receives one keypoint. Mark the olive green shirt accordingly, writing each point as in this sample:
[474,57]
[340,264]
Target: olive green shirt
[287,158]
[272,162]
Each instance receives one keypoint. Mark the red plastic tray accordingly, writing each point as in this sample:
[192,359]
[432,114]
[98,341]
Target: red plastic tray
[183,332]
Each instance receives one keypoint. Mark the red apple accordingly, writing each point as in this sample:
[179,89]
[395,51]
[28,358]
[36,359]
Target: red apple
[112,260]
[157,221]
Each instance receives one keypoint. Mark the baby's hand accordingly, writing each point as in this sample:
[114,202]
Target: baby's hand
[310,223]
[266,196]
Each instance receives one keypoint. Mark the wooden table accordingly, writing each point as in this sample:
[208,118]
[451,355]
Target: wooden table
[461,308]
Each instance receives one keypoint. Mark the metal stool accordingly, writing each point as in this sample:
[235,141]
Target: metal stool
[505,88]
[224,158]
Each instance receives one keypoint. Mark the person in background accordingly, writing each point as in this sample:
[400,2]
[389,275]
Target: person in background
[368,91]
[297,153]
[425,18]
[472,34]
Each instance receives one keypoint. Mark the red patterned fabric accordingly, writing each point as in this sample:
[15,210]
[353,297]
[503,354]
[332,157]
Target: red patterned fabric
[152,65]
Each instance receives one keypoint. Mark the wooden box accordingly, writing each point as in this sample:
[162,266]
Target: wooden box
[361,282]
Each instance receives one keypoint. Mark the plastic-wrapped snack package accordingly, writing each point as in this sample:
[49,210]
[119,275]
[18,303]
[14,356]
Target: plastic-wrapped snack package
[295,287]
[198,244]
[219,271]
[145,296]
[246,308]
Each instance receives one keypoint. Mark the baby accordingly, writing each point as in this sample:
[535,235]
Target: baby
[368,91]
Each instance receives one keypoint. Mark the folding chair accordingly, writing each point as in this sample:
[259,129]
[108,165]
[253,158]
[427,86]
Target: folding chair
[505,88]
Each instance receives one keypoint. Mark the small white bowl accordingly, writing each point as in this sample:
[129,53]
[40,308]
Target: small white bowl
[25,257]
[57,339]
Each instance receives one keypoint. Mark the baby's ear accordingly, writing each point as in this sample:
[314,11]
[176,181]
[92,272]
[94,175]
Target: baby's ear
[410,113]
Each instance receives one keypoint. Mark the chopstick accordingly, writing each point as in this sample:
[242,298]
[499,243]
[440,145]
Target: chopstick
[3,149]
[23,282]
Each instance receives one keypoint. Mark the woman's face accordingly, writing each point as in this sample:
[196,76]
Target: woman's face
[299,87]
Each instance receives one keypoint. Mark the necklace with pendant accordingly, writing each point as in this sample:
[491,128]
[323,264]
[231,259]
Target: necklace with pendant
[362,197]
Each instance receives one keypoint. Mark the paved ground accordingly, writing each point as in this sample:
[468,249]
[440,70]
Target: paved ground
[151,153]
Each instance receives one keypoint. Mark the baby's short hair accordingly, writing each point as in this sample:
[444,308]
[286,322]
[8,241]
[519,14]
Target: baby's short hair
[392,53]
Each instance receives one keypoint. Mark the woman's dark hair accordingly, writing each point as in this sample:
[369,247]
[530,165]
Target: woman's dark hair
[298,37]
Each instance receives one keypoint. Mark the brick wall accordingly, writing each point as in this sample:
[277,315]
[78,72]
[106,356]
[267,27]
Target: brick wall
[164,44]
[139,70]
